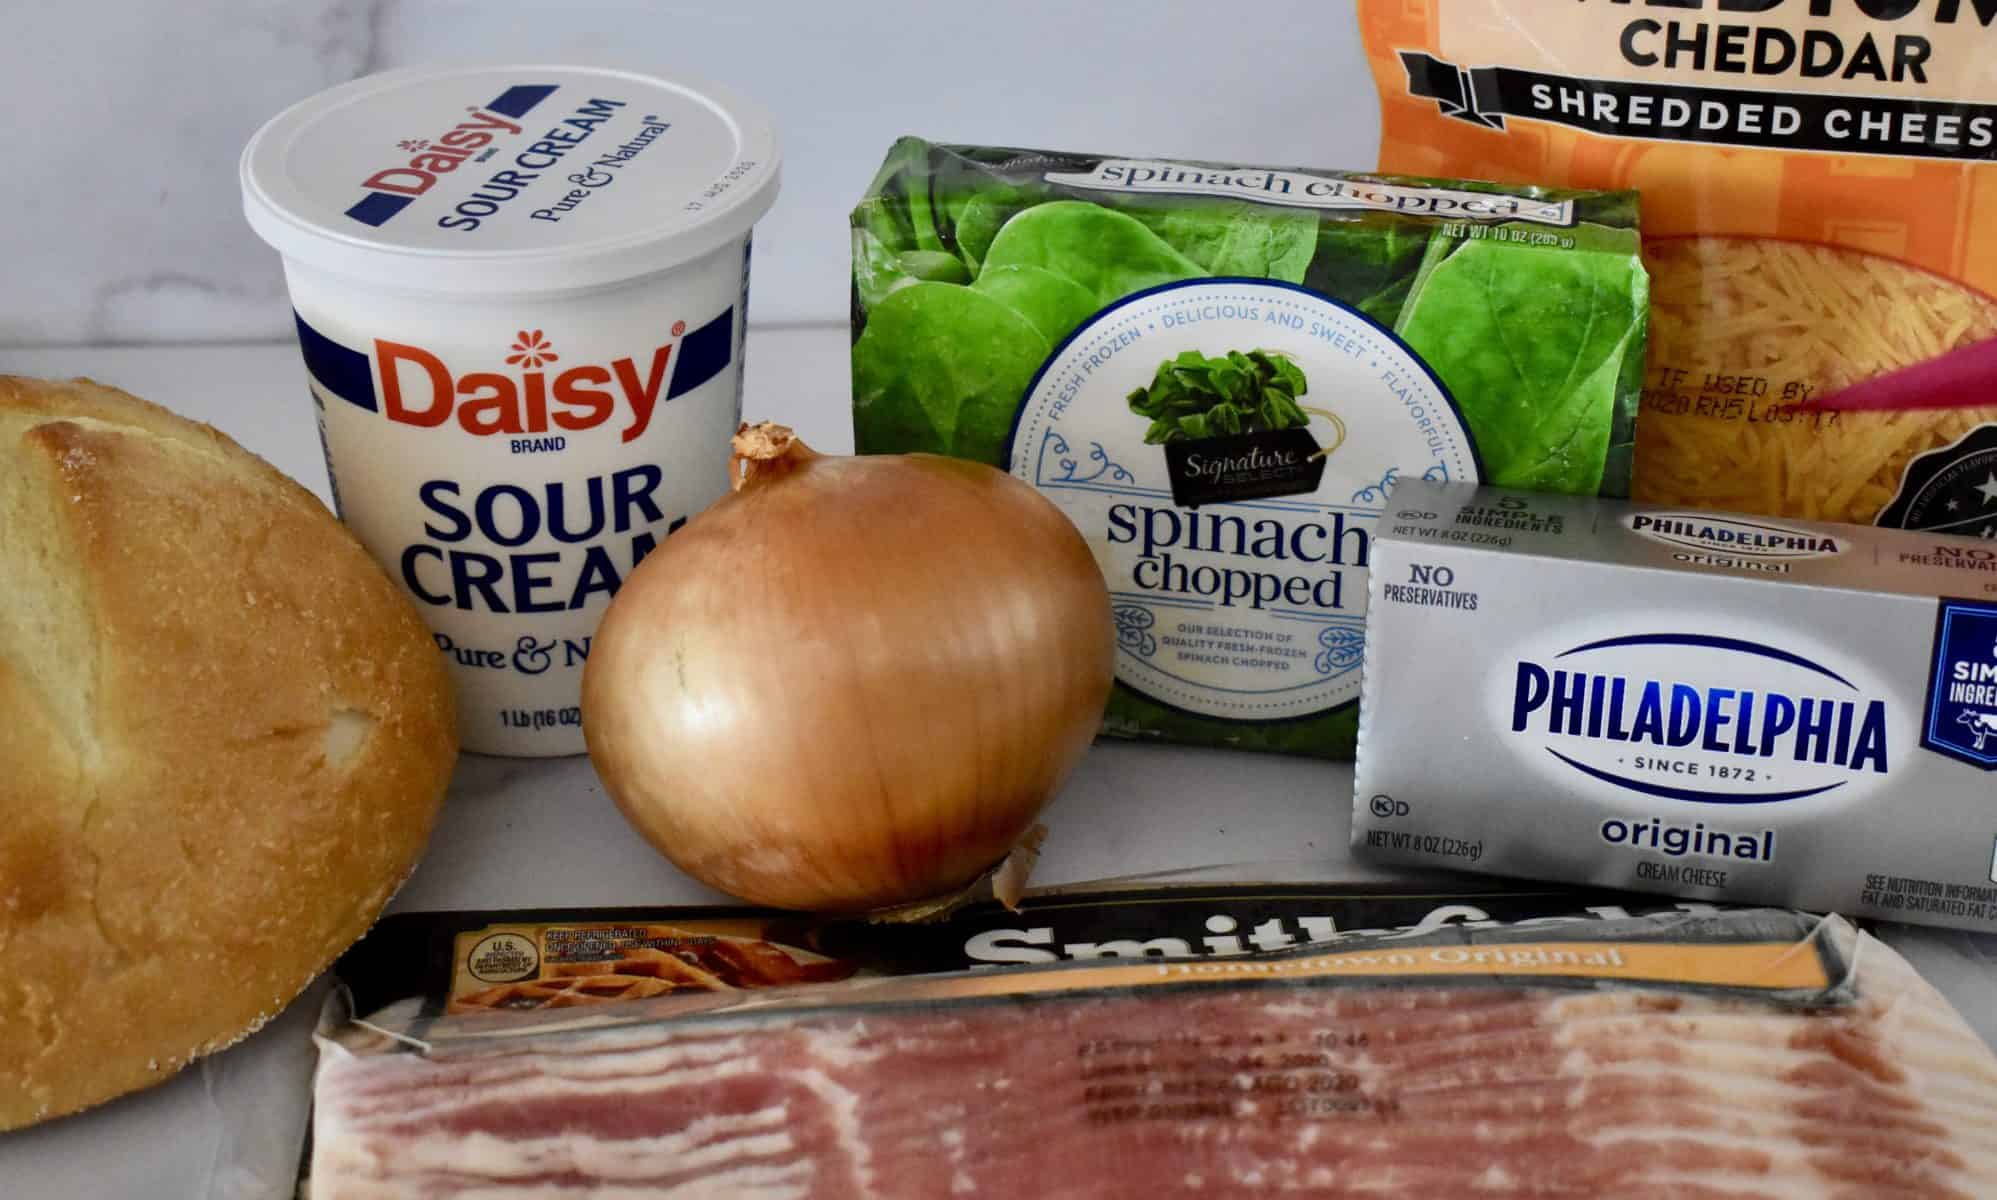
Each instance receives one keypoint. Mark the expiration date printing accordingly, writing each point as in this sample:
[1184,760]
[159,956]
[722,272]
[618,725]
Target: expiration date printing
[1223,1076]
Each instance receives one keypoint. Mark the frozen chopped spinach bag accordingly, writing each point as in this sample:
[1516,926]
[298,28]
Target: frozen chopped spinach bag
[1220,373]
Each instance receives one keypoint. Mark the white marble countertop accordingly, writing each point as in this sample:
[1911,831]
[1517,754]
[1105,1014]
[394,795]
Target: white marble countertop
[230,1127]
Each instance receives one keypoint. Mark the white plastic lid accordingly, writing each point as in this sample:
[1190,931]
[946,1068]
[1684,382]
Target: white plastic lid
[508,179]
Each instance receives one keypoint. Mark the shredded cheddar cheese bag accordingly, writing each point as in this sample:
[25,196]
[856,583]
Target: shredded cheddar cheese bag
[1819,183]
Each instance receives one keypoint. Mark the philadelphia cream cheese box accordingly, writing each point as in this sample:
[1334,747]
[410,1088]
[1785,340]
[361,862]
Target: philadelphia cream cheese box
[520,295]
[1719,707]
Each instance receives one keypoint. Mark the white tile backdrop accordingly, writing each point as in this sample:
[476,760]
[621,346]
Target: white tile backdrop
[122,220]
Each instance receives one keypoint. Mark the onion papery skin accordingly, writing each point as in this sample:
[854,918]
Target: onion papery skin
[852,683]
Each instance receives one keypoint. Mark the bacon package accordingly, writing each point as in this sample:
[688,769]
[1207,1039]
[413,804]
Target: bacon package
[1694,1053]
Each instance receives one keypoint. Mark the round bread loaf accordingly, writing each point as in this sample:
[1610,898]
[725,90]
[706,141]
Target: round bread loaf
[224,738]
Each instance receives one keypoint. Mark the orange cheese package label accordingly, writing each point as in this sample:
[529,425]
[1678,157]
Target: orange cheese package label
[1819,186]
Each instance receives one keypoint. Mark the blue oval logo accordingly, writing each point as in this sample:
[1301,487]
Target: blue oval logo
[1701,717]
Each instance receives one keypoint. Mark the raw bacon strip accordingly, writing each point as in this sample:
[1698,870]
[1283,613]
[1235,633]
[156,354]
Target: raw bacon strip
[1422,1090]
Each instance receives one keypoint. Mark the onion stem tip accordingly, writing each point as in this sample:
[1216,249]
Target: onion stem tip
[763,451]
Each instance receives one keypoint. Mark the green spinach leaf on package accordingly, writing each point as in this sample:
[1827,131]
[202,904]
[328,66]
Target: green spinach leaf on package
[941,369]
[1370,262]
[1055,304]
[974,221]
[977,216]
[1192,396]
[1110,254]
[879,271]
[1234,237]
[1532,344]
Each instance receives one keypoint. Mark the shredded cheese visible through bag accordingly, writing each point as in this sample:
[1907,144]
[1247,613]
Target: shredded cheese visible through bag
[1728,309]
[1819,213]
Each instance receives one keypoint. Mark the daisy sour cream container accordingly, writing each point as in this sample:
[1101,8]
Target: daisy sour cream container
[520,295]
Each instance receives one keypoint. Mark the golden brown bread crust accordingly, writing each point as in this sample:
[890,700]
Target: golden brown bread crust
[226,736]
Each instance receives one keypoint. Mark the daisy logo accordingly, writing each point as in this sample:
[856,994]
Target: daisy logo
[528,389]
[424,160]
[532,349]
[538,391]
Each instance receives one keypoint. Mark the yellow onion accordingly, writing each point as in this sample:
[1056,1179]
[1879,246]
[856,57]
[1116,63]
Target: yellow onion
[852,682]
